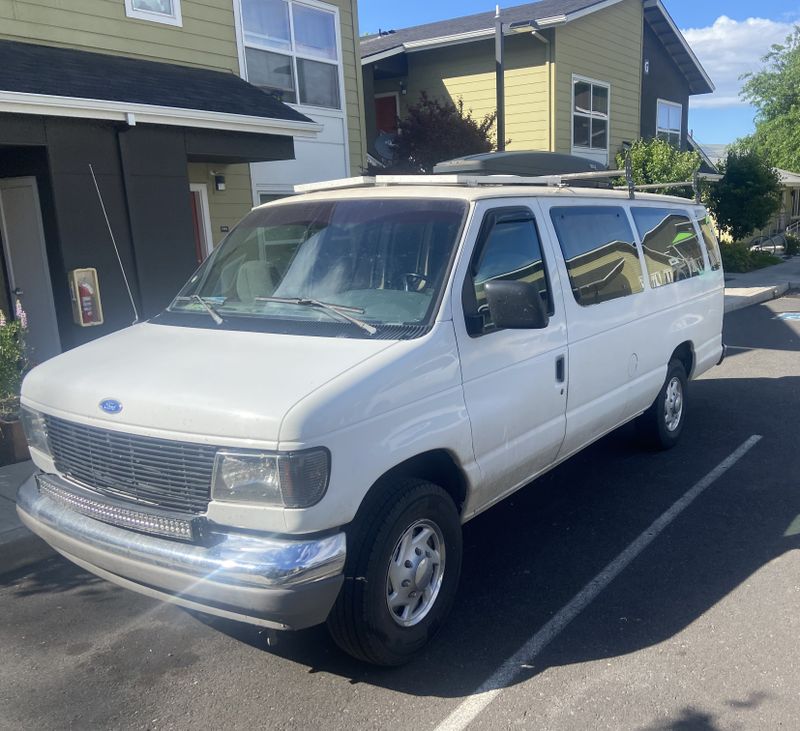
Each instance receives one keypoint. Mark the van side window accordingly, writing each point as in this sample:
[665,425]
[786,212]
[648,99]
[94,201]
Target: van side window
[712,245]
[508,248]
[599,250]
[669,242]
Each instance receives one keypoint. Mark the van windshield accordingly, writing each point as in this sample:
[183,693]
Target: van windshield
[346,267]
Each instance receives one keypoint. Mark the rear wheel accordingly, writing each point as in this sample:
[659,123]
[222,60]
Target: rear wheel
[661,425]
[401,575]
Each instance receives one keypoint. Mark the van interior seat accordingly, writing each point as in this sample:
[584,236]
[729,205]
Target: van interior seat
[254,279]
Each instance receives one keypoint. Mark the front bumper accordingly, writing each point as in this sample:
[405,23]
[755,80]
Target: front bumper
[283,583]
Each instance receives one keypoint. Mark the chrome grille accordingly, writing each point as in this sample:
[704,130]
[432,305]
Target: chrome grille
[156,472]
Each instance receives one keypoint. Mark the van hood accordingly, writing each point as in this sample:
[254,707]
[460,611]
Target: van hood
[191,381]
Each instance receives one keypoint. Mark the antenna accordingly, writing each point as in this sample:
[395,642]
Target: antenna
[116,250]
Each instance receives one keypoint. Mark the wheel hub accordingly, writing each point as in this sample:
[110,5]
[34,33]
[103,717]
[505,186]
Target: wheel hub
[673,404]
[414,576]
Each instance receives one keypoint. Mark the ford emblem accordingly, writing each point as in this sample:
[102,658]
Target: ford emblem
[111,406]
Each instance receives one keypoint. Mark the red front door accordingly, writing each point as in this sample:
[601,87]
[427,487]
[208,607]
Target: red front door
[386,114]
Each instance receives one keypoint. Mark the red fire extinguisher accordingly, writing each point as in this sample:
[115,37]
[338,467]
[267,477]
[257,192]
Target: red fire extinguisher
[86,298]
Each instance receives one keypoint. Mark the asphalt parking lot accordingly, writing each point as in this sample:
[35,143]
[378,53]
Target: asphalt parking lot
[696,630]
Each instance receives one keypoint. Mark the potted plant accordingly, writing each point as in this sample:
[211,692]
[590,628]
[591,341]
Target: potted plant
[13,365]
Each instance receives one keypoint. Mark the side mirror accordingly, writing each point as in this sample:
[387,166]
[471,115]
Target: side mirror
[515,305]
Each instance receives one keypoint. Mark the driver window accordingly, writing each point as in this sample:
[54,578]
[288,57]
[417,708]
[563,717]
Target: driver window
[509,248]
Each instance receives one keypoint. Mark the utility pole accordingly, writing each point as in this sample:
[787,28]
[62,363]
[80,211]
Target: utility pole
[500,81]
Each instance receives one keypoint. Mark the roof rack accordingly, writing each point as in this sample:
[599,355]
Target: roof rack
[459,179]
[694,184]
[474,181]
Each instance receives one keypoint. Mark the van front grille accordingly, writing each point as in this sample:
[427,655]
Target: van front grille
[156,472]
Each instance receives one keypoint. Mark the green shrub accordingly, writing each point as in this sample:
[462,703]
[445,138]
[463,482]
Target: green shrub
[737,257]
[792,245]
[13,362]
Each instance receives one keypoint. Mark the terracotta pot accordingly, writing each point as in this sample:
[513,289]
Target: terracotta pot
[13,446]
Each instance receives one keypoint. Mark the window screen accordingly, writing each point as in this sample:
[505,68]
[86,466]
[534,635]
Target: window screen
[669,242]
[600,253]
[510,250]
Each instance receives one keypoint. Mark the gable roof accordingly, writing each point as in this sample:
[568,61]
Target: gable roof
[542,14]
[706,162]
[102,86]
[676,45]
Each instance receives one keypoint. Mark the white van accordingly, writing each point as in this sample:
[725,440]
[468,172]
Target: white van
[351,376]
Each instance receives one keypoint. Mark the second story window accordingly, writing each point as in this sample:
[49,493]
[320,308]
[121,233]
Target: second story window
[590,116]
[158,11]
[668,122]
[291,50]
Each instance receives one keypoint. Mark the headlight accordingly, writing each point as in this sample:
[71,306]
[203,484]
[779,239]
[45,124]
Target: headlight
[288,479]
[35,430]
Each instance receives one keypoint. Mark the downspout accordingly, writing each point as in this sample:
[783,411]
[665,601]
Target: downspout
[550,95]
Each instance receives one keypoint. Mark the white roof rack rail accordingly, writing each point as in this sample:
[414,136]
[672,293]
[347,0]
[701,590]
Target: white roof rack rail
[459,179]
[473,181]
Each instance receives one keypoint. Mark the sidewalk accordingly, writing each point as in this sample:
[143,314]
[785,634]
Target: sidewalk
[751,288]
[18,546]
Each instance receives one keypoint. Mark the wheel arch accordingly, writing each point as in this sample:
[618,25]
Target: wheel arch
[438,466]
[685,354]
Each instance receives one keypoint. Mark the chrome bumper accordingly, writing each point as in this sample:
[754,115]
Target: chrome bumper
[275,582]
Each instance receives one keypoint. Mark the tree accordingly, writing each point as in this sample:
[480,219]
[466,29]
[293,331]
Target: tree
[433,131]
[657,161]
[775,93]
[748,194]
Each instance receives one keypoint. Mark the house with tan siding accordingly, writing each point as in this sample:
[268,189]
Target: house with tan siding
[189,112]
[581,77]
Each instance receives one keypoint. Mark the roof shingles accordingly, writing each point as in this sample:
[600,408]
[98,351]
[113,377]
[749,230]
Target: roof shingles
[481,21]
[37,69]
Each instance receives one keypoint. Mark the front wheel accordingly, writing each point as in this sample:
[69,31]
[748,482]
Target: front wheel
[661,425]
[401,575]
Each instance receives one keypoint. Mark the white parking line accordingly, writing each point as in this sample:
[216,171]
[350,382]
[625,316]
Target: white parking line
[466,712]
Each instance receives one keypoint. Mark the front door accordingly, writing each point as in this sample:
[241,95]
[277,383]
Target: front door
[26,264]
[386,113]
[514,380]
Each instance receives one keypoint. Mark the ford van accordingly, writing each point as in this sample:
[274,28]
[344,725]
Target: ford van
[354,373]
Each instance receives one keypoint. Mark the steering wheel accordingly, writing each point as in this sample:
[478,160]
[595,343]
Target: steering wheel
[417,277]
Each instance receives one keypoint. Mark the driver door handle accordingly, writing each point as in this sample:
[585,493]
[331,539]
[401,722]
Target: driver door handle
[560,370]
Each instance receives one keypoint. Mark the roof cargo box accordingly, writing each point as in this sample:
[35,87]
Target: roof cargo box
[526,163]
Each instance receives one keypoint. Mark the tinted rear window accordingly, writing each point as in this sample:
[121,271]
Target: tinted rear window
[599,250]
[669,243]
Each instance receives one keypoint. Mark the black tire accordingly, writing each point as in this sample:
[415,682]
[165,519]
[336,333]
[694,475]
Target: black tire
[653,425]
[361,622]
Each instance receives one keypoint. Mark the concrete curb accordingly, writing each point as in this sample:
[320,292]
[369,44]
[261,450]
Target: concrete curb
[735,302]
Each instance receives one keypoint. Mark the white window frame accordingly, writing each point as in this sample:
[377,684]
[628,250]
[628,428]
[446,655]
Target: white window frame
[205,216]
[294,55]
[668,132]
[593,153]
[174,19]
[262,189]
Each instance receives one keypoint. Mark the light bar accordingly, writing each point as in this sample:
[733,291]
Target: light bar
[123,517]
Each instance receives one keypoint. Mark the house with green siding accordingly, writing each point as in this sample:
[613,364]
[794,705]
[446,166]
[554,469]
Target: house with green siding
[189,112]
[582,77]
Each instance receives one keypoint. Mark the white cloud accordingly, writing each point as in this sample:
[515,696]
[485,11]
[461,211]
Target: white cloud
[729,48]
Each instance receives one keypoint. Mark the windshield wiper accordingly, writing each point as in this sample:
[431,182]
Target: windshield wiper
[215,316]
[340,310]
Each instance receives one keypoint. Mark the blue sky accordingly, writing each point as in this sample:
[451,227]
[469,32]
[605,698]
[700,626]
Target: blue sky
[728,36]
